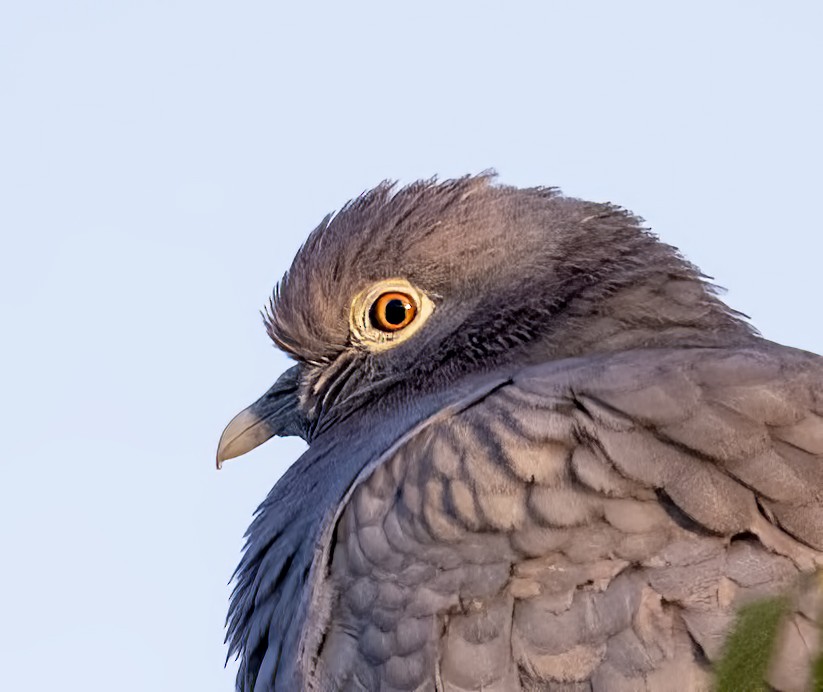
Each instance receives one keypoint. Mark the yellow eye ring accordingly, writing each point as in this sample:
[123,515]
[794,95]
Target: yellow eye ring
[392,311]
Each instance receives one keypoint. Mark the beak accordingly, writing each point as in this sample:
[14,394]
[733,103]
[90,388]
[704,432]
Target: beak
[277,412]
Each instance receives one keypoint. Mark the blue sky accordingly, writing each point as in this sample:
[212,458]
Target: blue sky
[160,162]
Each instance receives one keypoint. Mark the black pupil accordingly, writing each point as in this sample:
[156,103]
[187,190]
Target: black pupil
[395,311]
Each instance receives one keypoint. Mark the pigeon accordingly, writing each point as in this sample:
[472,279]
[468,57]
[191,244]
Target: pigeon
[543,454]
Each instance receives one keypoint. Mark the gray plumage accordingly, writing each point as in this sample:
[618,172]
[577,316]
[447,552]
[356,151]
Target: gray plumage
[570,477]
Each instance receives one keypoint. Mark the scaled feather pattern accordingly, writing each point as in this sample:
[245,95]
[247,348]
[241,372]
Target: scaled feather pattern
[583,471]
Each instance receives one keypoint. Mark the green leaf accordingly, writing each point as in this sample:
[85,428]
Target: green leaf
[817,674]
[747,651]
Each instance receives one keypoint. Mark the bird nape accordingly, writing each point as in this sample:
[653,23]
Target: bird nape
[543,455]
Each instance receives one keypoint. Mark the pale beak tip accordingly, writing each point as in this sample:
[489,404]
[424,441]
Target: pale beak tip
[245,432]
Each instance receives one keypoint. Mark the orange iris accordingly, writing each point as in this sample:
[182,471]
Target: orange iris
[392,311]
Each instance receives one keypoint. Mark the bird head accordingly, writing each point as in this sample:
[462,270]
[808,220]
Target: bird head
[405,291]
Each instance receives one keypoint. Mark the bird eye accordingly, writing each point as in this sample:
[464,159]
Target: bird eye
[392,311]
[387,313]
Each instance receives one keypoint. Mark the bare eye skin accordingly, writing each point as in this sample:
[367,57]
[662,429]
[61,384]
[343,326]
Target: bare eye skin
[392,311]
[387,313]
